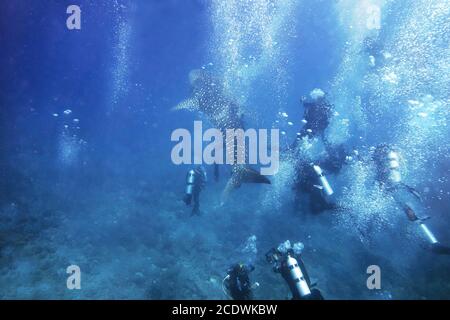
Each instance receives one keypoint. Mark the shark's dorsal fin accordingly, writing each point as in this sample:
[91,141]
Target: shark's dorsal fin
[190,104]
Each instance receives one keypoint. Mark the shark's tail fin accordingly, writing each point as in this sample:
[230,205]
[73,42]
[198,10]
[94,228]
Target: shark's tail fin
[248,175]
[240,176]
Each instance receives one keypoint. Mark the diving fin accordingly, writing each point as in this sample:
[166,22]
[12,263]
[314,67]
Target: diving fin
[410,213]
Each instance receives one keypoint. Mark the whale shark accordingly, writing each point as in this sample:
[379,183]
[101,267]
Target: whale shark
[208,97]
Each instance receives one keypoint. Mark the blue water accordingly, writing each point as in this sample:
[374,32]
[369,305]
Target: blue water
[95,186]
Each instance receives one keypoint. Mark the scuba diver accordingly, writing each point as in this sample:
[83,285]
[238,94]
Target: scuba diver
[373,50]
[316,116]
[311,180]
[388,175]
[195,182]
[310,175]
[287,261]
[236,285]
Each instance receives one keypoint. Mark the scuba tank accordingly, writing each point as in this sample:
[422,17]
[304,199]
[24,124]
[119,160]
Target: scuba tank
[393,162]
[293,272]
[430,236]
[323,180]
[387,160]
[296,276]
[190,181]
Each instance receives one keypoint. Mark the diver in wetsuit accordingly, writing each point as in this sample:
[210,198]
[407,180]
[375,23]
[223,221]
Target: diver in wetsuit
[374,51]
[237,282]
[195,182]
[387,161]
[311,180]
[316,116]
[311,176]
[287,261]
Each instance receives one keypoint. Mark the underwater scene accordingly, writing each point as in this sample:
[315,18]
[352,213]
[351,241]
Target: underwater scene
[225,149]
